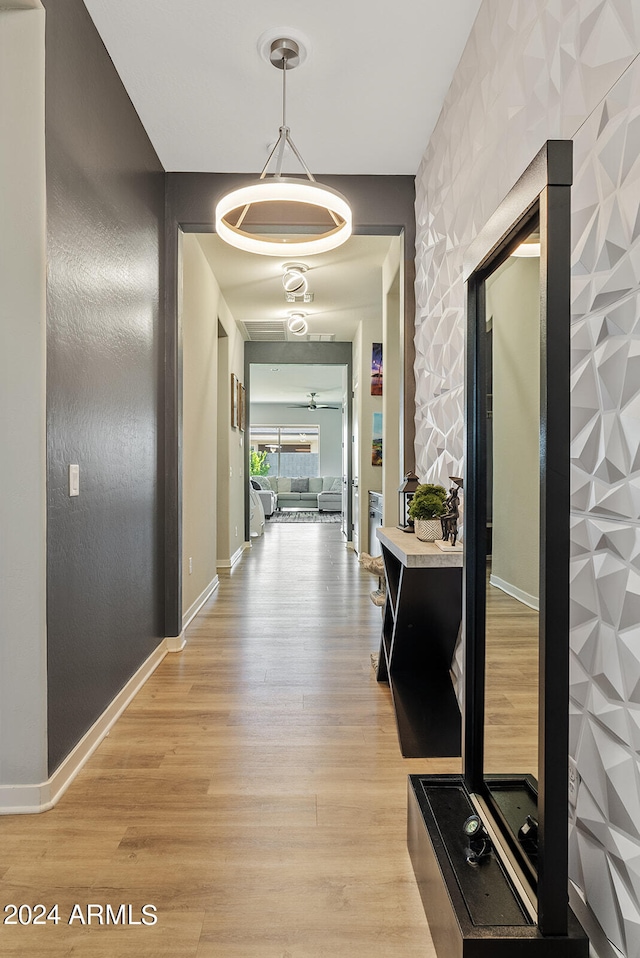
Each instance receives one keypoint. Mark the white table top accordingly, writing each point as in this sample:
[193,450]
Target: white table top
[415,554]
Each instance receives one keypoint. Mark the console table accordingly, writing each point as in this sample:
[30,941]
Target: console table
[421,623]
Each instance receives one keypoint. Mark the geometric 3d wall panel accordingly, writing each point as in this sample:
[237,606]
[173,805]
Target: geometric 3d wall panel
[605,722]
[533,71]
[530,72]
[605,591]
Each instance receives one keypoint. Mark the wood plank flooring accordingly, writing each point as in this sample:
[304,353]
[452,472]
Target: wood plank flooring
[511,704]
[254,791]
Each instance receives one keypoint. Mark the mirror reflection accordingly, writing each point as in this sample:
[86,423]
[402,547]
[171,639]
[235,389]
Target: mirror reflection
[513,548]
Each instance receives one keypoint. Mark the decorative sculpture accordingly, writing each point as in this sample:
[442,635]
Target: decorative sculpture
[450,518]
[375,565]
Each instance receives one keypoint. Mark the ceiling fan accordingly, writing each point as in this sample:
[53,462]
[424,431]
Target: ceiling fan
[313,405]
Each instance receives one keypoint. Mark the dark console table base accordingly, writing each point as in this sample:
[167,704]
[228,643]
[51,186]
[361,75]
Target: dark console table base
[420,628]
[473,911]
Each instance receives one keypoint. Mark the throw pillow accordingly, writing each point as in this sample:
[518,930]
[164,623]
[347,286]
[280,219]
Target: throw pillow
[337,486]
[255,484]
[284,484]
[315,484]
[327,482]
[299,485]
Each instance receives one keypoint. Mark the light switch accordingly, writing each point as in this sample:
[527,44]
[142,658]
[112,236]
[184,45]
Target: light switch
[74,480]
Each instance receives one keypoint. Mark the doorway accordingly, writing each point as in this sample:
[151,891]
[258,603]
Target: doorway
[340,337]
[288,372]
[296,434]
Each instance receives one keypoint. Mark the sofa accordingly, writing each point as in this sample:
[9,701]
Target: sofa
[267,497]
[315,492]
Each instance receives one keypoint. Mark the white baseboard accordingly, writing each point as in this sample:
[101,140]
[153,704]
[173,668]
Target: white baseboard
[176,643]
[531,600]
[237,555]
[31,799]
[195,607]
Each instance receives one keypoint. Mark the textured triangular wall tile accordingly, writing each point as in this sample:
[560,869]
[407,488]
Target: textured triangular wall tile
[533,71]
[599,887]
[534,75]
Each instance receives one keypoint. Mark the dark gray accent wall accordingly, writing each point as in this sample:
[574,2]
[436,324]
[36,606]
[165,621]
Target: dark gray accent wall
[380,204]
[105,202]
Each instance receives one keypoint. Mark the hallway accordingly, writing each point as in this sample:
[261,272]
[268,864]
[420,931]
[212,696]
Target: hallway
[253,792]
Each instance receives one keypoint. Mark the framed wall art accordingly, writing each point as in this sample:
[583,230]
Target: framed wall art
[234,401]
[376,442]
[242,407]
[376,369]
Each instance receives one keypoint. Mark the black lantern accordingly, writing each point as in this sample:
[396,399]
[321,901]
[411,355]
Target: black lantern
[406,492]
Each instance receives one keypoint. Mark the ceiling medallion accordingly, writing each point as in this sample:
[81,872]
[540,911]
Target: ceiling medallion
[232,211]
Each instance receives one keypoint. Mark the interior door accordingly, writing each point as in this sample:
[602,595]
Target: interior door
[346,453]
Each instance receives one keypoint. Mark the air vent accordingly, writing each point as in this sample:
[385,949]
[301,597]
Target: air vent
[266,332]
[321,337]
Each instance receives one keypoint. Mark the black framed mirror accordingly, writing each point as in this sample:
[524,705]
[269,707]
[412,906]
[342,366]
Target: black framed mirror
[517,527]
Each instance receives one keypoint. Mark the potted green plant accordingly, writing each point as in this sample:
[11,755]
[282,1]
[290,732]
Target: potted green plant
[258,464]
[426,507]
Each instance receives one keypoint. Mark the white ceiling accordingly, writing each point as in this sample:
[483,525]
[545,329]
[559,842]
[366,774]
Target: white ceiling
[273,383]
[346,284]
[364,101]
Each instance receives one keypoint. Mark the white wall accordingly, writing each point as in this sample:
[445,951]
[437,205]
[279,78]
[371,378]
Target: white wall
[364,405]
[513,303]
[231,490]
[530,72]
[23,689]
[386,327]
[212,493]
[223,447]
[200,423]
[392,405]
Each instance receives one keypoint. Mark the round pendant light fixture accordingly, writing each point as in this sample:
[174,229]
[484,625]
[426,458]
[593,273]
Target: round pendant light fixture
[270,191]
[293,278]
[297,324]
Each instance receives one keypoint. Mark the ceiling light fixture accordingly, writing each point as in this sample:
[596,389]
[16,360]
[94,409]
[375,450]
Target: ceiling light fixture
[530,246]
[297,324]
[527,249]
[293,278]
[232,210]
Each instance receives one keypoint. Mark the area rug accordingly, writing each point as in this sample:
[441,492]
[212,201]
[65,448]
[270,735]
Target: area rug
[305,515]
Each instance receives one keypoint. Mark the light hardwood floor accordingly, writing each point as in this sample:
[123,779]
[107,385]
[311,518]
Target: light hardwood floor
[254,791]
[511,703]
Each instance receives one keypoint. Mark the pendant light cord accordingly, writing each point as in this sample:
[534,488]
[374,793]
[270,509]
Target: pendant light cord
[284,91]
[284,129]
[280,146]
